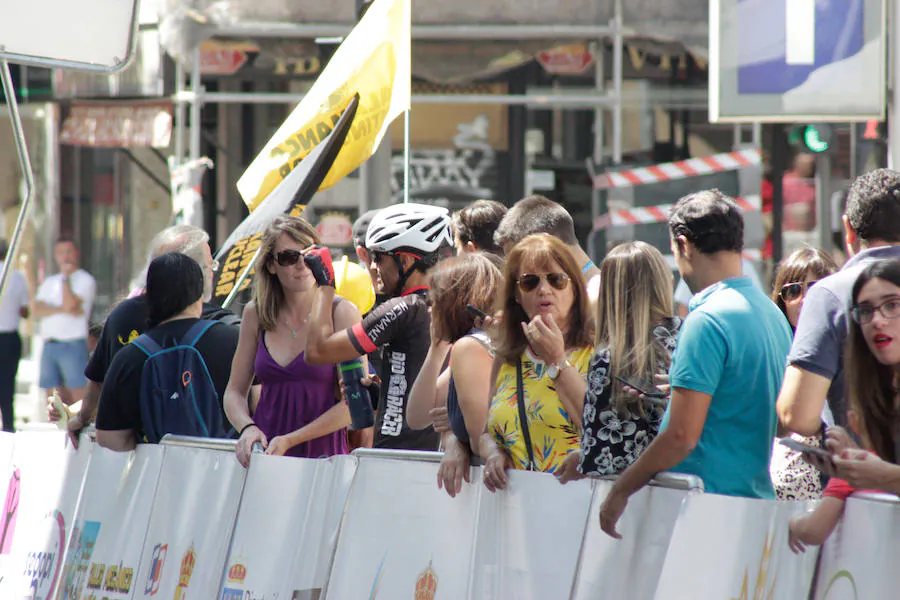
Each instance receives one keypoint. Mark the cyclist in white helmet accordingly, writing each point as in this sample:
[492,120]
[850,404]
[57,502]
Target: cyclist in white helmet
[404,242]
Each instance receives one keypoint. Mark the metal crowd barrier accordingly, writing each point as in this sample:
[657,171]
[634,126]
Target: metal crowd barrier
[186,441]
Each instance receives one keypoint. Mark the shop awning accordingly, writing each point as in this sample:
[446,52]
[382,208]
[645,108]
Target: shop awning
[140,124]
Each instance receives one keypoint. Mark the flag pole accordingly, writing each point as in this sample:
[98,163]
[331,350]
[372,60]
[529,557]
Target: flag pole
[406,136]
[240,280]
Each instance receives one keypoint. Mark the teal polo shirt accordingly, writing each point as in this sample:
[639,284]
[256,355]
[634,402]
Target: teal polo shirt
[733,346]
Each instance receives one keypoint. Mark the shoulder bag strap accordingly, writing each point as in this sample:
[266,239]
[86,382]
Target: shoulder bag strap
[523,416]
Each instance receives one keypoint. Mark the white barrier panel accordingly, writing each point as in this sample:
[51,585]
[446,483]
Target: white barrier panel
[859,560]
[287,527]
[113,516]
[726,547]
[401,533]
[630,567]
[51,478]
[529,537]
[191,523]
[10,479]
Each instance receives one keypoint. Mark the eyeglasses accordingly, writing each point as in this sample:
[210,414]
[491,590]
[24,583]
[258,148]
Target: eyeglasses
[794,291]
[529,282]
[378,256]
[287,258]
[864,313]
[214,266]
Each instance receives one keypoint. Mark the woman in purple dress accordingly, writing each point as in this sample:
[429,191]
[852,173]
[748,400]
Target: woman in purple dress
[300,411]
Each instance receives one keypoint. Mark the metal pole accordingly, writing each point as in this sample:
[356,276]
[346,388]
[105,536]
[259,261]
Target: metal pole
[779,154]
[24,161]
[617,84]
[823,200]
[535,101]
[197,87]
[240,280]
[76,192]
[421,32]
[406,155]
[181,113]
[598,197]
[893,101]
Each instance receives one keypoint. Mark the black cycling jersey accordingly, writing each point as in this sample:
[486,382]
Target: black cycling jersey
[402,328]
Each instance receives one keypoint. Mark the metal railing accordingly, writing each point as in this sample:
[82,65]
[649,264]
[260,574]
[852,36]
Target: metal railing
[187,441]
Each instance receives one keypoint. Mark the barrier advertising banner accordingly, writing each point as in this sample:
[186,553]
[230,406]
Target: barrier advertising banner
[193,515]
[10,479]
[529,537]
[289,556]
[401,536]
[860,558]
[51,474]
[630,567]
[726,547]
[113,516]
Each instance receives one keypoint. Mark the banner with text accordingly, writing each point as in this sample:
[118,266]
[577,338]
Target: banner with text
[113,516]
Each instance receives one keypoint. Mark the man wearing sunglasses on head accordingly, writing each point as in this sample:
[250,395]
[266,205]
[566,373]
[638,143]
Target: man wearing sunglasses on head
[404,242]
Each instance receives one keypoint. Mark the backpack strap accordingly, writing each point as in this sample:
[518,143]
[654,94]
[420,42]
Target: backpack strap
[146,344]
[196,332]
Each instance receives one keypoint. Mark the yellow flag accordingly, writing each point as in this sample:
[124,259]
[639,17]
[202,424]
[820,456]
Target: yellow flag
[374,60]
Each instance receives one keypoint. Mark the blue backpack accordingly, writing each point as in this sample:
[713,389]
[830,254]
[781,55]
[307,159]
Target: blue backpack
[178,395]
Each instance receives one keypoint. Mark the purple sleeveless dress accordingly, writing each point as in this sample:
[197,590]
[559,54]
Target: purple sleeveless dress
[294,396]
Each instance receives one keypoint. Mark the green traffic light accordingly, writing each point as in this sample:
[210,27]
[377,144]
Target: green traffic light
[812,138]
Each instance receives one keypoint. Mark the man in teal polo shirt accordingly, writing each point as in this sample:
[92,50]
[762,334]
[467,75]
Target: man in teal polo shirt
[726,370]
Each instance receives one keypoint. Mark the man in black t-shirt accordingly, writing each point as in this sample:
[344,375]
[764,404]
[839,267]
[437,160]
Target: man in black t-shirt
[120,408]
[174,301]
[129,318]
[404,241]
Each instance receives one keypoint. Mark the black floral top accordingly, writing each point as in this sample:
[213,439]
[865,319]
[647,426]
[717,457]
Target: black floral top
[610,441]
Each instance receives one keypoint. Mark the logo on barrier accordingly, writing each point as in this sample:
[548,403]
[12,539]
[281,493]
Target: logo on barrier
[426,584]
[81,547]
[237,573]
[42,568]
[157,560]
[841,590]
[10,511]
[187,569]
[762,575]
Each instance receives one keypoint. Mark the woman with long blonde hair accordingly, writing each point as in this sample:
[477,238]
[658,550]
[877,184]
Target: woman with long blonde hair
[300,410]
[636,333]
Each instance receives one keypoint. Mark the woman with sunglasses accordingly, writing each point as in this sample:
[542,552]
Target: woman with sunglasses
[300,410]
[792,477]
[543,348]
[636,333]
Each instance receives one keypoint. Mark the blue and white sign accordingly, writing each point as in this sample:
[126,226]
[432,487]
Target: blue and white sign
[793,60]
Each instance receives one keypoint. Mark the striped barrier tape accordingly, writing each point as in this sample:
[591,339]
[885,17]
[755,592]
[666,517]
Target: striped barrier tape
[640,215]
[683,169]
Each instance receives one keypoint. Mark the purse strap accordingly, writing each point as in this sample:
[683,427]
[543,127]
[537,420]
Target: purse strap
[523,417]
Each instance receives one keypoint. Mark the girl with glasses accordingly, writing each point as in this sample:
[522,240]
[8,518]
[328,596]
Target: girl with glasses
[543,347]
[300,411]
[792,477]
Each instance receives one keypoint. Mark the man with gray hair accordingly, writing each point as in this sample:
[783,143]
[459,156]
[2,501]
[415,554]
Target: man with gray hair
[128,319]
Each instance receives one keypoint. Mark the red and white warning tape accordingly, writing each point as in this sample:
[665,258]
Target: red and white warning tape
[657,214]
[678,170]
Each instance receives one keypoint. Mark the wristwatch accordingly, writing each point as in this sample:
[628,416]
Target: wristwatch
[553,371]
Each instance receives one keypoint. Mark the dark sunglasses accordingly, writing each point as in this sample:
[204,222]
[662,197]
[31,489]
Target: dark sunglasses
[287,258]
[793,291]
[530,282]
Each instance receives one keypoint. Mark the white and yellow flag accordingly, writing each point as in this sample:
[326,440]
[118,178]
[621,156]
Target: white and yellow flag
[373,60]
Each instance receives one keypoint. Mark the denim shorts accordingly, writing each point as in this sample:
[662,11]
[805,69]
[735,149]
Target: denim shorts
[63,363]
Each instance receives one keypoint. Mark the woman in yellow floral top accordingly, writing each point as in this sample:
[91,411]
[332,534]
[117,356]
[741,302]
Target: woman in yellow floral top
[546,328]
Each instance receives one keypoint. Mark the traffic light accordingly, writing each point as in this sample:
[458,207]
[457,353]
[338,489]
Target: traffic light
[813,138]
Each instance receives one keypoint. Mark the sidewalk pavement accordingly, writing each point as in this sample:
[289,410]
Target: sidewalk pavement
[29,406]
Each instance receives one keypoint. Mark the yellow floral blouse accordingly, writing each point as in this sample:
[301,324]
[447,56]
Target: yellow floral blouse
[553,434]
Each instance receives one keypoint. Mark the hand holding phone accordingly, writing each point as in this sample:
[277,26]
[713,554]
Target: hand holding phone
[647,389]
[805,448]
[476,312]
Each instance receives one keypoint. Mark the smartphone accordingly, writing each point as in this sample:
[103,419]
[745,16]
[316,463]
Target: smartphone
[805,448]
[476,312]
[647,389]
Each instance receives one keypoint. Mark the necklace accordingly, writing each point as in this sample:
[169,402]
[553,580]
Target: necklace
[294,331]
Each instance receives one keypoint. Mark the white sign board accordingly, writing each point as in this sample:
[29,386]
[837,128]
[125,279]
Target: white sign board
[82,34]
[190,528]
[796,60]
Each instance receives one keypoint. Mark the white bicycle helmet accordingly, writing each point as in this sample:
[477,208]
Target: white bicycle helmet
[415,228]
